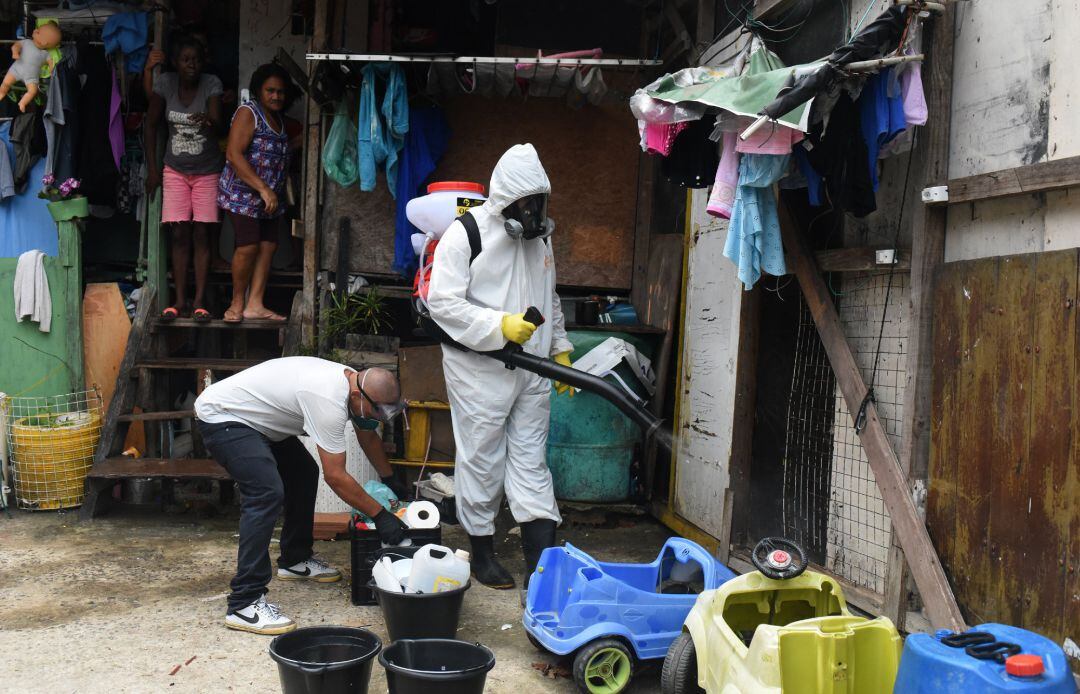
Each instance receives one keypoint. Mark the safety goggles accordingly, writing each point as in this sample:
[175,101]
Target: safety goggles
[383,411]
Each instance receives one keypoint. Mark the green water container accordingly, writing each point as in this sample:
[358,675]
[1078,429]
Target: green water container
[590,443]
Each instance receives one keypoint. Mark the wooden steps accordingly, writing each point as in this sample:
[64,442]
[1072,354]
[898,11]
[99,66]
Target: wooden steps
[156,416]
[196,363]
[219,324]
[123,467]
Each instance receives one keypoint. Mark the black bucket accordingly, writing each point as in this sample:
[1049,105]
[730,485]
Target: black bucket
[325,660]
[446,666]
[420,615]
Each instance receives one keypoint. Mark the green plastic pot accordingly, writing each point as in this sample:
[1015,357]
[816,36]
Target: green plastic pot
[72,208]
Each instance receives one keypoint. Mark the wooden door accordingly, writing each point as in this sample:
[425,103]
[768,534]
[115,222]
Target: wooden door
[1004,491]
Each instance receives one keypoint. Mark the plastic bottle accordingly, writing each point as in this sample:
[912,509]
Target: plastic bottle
[435,569]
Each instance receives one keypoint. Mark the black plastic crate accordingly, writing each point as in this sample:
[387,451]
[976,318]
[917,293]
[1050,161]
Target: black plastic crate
[364,550]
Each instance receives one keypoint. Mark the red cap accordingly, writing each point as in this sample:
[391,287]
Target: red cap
[1024,665]
[463,186]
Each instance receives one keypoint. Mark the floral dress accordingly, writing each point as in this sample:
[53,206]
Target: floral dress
[268,155]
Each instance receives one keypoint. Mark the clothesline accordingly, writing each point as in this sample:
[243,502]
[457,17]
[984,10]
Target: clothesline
[482,60]
[856,67]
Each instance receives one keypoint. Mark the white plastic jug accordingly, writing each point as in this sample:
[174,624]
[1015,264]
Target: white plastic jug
[436,569]
[445,202]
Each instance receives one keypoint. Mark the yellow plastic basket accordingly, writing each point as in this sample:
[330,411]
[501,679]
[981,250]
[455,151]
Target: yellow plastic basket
[51,454]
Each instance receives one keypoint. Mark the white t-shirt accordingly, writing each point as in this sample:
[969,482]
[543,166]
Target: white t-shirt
[279,398]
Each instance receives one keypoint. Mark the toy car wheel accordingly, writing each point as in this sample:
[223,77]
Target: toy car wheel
[679,675]
[604,666]
[536,643]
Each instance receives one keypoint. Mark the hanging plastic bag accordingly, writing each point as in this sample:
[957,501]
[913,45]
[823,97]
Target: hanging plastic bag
[339,154]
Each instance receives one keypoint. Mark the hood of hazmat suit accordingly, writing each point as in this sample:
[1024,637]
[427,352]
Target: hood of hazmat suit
[500,416]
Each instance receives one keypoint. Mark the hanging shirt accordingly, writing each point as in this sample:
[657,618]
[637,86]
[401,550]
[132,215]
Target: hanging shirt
[753,241]
[192,147]
[380,131]
[839,157]
[768,139]
[7,178]
[126,32]
[425,144]
[24,218]
[881,116]
[722,197]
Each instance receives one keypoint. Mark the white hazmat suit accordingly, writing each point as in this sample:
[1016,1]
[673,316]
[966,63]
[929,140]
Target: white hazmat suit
[500,416]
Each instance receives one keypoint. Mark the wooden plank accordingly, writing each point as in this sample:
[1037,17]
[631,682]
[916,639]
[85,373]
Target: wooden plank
[1051,446]
[1055,174]
[291,343]
[642,228]
[420,372]
[892,482]
[218,324]
[658,309]
[312,175]
[742,442]
[198,363]
[1070,490]
[859,259]
[156,416]
[106,327]
[171,468]
[1006,449]
[930,163]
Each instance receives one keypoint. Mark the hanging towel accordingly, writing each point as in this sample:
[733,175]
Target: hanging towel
[753,241]
[379,139]
[126,32]
[882,118]
[722,197]
[32,298]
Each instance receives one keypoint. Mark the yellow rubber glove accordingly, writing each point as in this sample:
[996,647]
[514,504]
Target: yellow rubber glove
[563,359]
[516,329]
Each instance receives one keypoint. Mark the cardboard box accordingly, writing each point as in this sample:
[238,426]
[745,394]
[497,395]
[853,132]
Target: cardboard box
[421,374]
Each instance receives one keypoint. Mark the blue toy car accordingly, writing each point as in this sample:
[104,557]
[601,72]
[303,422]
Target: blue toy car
[612,615]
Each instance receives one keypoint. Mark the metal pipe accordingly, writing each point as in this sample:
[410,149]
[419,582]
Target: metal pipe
[651,425]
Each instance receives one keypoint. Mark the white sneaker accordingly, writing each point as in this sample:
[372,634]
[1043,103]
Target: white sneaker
[312,569]
[260,617]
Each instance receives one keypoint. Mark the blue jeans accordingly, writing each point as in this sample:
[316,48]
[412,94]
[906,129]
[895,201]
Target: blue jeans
[271,477]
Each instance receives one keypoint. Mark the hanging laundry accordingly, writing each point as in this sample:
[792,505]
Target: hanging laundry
[126,32]
[25,218]
[32,298]
[839,160]
[660,137]
[429,135]
[379,139]
[722,197]
[881,118]
[693,159]
[66,141]
[116,124]
[53,118]
[769,139]
[7,176]
[911,84]
[753,241]
[28,136]
[96,167]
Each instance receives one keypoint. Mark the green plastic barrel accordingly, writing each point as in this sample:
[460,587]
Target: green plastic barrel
[590,443]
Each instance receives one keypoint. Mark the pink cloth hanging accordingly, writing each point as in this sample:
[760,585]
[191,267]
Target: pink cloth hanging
[722,197]
[769,139]
[659,137]
[911,84]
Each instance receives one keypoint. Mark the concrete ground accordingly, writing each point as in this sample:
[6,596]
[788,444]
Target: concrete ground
[116,605]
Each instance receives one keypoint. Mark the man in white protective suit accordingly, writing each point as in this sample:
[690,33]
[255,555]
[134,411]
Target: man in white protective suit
[500,415]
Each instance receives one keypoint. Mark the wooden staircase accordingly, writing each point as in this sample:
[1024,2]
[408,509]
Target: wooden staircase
[143,382]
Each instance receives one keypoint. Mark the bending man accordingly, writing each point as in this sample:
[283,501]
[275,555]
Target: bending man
[249,422]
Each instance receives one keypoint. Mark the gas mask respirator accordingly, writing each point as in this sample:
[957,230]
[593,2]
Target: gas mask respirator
[527,218]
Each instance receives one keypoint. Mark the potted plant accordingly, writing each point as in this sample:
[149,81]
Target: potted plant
[65,203]
[359,322]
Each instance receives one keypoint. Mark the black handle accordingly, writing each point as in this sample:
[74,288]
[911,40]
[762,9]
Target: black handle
[533,315]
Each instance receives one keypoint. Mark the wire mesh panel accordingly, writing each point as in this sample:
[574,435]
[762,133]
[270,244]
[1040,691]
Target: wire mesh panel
[51,442]
[831,499]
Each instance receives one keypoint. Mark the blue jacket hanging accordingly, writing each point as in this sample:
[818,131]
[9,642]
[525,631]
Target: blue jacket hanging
[429,135]
[381,131]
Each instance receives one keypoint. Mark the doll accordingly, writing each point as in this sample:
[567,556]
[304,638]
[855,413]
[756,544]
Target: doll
[30,55]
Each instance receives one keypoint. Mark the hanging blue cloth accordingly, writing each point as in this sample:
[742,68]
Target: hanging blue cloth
[381,131]
[882,117]
[753,240]
[429,135]
[127,32]
[25,222]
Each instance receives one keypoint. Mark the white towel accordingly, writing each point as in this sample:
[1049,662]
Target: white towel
[32,297]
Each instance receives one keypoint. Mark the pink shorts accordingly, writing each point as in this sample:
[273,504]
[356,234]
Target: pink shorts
[188,197]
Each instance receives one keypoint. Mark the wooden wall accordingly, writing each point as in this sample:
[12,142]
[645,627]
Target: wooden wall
[591,157]
[1004,493]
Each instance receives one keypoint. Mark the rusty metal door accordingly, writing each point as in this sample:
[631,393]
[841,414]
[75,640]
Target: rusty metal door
[1004,489]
